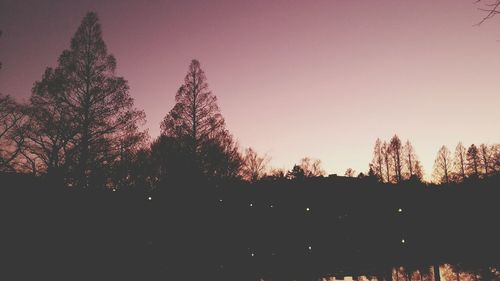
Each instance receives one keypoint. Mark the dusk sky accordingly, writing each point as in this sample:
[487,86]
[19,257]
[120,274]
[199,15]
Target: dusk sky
[293,78]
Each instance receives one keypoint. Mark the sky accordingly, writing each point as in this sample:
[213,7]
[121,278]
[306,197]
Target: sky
[322,79]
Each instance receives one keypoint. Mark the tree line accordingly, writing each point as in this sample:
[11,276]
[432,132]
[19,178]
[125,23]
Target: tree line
[80,128]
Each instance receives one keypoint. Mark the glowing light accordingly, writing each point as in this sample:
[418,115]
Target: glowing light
[251,205]
[220,200]
[252,254]
[400,210]
[114,189]
[149,198]
[310,248]
[272,206]
[403,241]
[307,209]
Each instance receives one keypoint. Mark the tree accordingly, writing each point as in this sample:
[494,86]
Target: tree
[311,167]
[296,173]
[377,163]
[395,149]
[12,118]
[196,121]
[94,99]
[459,162]
[442,165]
[473,161]
[386,152]
[413,168]
[485,159]
[349,173]
[254,166]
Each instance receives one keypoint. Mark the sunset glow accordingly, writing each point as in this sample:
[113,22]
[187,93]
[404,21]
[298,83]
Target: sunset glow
[293,78]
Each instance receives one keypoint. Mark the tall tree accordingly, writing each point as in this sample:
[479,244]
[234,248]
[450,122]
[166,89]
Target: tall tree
[473,161]
[442,165]
[395,149]
[386,152]
[196,120]
[97,102]
[485,159]
[459,162]
[377,163]
[254,166]
[412,166]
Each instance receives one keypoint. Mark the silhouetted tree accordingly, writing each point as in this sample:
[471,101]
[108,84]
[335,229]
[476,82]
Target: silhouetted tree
[349,173]
[459,162]
[197,122]
[311,167]
[296,173]
[386,152]
[413,168]
[395,149]
[473,161]
[442,165]
[97,102]
[254,166]
[377,163]
[485,159]
[12,118]
[491,8]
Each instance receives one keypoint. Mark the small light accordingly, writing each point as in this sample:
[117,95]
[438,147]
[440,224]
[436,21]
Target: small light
[220,200]
[252,254]
[149,198]
[272,206]
[310,248]
[251,205]
[403,241]
[400,210]
[114,189]
[307,209]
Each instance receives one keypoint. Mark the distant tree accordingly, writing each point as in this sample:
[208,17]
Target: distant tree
[377,163]
[311,167]
[485,159]
[254,166]
[197,122]
[459,162]
[12,118]
[350,173]
[412,166]
[296,173]
[386,152]
[442,165]
[396,151]
[95,100]
[473,161]
[496,157]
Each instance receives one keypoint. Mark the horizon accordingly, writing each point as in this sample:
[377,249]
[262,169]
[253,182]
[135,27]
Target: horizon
[292,94]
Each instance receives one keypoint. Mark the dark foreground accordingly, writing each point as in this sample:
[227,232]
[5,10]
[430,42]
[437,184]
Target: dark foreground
[280,230]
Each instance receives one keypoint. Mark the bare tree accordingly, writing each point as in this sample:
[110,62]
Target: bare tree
[386,152]
[473,161]
[377,163]
[459,162]
[442,165]
[254,166]
[311,167]
[485,159]
[412,167]
[395,149]
[11,142]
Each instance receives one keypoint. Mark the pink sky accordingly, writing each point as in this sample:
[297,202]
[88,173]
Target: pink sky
[294,78]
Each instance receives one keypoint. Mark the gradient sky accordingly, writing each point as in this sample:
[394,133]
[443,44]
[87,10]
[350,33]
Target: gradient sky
[293,78]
